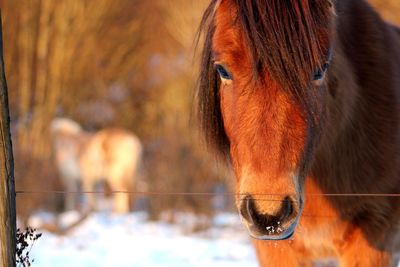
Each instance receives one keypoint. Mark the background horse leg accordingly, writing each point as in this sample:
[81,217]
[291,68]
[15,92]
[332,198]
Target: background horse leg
[279,254]
[356,251]
[120,200]
[117,183]
[121,203]
[90,201]
[71,198]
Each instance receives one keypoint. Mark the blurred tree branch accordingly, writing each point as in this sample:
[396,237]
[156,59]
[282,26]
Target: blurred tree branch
[60,47]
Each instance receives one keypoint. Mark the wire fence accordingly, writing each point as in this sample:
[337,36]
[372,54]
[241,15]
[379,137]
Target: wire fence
[270,197]
[205,194]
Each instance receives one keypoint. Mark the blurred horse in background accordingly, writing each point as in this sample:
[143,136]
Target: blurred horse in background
[86,159]
[303,98]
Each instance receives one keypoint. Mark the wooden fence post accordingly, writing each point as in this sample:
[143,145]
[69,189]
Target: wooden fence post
[7,188]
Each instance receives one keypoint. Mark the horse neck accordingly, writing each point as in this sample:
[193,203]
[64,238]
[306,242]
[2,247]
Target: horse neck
[360,141]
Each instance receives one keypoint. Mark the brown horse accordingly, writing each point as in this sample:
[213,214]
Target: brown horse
[303,99]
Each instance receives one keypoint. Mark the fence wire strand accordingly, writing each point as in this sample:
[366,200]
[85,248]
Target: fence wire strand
[257,196]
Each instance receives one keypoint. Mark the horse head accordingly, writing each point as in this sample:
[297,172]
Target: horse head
[261,101]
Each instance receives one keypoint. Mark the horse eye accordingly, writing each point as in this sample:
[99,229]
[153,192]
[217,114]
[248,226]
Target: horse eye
[223,72]
[319,75]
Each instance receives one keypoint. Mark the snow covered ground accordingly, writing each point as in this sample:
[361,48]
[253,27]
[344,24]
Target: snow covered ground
[110,240]
[130,240]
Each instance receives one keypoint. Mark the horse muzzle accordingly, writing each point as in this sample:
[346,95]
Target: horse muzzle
[277,225]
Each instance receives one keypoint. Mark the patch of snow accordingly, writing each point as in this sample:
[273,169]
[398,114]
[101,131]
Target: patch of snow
[130,240]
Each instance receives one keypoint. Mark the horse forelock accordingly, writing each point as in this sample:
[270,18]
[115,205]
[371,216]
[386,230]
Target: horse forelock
[288,39]
[209,112]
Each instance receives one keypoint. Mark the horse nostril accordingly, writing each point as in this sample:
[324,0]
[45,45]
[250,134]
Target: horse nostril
[245,208]
[265,223]
[286,209]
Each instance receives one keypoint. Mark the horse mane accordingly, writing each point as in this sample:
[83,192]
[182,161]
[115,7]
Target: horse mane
[289,39]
